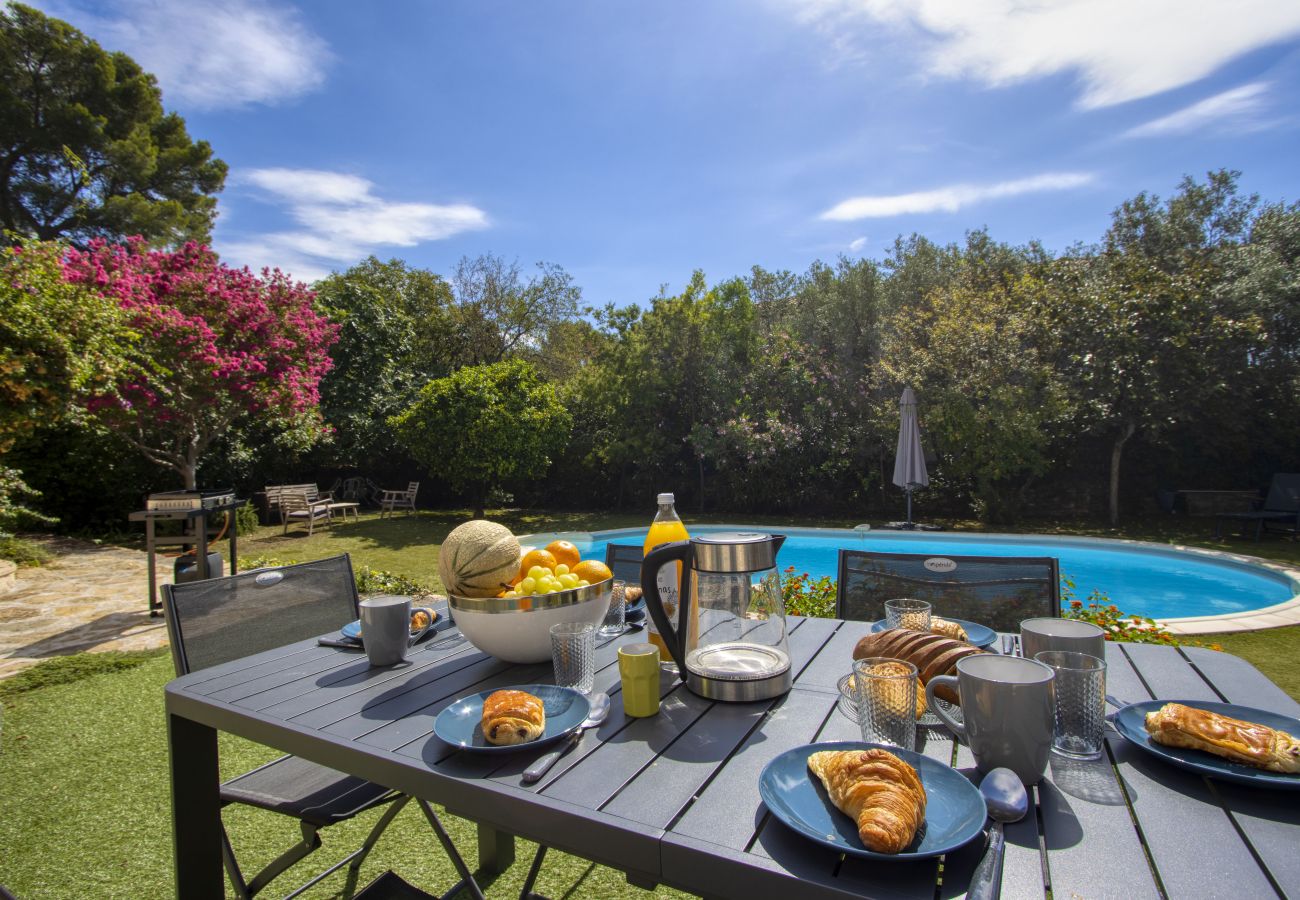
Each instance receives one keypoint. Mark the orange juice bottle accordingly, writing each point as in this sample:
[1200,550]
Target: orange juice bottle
[665,528]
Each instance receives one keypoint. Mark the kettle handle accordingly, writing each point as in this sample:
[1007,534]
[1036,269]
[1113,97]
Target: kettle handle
[656,559]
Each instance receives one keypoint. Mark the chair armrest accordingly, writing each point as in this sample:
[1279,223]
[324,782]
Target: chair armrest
[390,495]
[327,496]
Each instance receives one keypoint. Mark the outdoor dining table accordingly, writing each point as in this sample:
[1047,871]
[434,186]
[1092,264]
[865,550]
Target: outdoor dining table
[674,799]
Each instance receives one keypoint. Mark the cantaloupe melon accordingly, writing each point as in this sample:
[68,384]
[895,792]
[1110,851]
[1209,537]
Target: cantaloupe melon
[478,558]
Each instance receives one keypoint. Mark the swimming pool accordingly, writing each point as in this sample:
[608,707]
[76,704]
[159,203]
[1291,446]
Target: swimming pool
[1141,579]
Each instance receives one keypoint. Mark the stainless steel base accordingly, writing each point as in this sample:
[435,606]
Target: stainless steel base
[739,691]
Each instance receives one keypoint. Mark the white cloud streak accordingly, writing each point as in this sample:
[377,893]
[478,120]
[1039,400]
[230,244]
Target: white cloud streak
[1120,50]
[857,244]
[949,199]
[341,221]
[1237,106]
[209,54]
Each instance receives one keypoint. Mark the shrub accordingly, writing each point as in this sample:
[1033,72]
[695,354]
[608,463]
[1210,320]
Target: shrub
[369,581]
[805,597]
[1117,625]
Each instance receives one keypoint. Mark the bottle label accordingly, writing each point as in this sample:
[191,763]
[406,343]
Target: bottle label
[666,581]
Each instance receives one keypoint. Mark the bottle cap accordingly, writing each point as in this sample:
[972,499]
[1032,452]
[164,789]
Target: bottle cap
[665,498]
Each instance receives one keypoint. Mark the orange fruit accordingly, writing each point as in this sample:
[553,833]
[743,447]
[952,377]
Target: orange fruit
[592,570]
[564,552]
[543,558]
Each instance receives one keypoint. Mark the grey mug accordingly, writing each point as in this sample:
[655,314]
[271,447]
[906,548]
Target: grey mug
[1051,633]
[1006,703]
[386,628]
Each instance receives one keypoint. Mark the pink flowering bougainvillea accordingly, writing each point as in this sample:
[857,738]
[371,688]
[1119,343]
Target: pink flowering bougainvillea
[223,343]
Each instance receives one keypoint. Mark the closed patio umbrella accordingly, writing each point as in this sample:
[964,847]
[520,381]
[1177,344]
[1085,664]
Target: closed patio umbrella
[909,461]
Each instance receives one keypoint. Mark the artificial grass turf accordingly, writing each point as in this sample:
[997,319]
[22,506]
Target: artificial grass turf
[84,805]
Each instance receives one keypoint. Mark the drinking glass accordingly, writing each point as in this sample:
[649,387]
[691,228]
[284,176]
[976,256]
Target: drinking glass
[886,701]
[614,624]
[1080,691]
[910,614]
[573,651]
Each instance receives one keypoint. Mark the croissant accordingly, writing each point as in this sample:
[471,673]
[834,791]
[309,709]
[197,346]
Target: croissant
[1244,742]
[948,629]
[875,789]
[512,717]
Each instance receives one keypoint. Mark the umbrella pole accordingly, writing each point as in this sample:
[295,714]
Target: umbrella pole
[909,506]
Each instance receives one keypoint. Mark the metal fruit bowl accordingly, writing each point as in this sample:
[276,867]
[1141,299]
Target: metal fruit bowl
[518,629]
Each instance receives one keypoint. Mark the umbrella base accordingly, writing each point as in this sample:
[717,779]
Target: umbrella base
[911,526]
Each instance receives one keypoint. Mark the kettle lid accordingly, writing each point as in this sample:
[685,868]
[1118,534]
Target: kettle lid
[734,551]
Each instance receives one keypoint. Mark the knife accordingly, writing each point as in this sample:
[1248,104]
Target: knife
[599,710]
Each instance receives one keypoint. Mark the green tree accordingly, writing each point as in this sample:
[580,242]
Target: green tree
[59,341]
[484,427]
[86,149]
[1154,341]
[502,313]
[397,332]
[984,362]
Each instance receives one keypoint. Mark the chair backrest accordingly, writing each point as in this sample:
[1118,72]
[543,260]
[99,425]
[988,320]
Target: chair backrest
[1284,493]
[300,503]
[997,591]
[275,493]
[624,560]
[220,619]
[412,488]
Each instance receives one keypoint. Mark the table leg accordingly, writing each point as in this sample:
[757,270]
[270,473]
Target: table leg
[496,850]
[154,605]
[196,809]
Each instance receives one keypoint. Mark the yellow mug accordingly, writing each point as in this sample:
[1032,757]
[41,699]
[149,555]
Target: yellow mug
[638,667]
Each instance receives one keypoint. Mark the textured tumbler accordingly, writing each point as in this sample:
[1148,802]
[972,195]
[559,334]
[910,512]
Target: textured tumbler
[886,701]
[1080,691]
[911,614]
[573,651]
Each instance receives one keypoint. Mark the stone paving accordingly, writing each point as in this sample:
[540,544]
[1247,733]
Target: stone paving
[91,597]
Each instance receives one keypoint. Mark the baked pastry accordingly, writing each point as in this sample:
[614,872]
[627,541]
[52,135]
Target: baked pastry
[631,594]
[894,667]
[932,654]
[1244,742]
[948,629]
[882,794]
[512,717]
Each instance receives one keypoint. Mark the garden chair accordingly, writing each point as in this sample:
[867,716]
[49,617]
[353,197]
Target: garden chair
[624,560]
[997,591]
[392,500]
[214,621]
[1281,508]
[301,507]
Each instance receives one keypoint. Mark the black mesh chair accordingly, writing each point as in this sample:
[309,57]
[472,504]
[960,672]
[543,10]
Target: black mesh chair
[220,619]
[997,591]
[624,560]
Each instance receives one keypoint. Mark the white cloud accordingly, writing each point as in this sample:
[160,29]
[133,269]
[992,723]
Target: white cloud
[950,198]
[208,54]
[857,244]
[341,221]
[1120,49]
[1237,106]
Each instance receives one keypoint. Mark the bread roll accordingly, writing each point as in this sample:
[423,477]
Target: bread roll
[930,653]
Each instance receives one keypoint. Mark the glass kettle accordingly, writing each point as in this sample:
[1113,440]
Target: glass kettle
[729,642]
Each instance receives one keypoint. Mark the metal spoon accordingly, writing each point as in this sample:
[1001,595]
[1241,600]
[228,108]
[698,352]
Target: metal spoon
[1007,801]
[599,710]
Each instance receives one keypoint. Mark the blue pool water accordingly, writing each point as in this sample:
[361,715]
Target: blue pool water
[1141,579]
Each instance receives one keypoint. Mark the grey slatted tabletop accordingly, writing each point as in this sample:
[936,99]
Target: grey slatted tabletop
[673,799]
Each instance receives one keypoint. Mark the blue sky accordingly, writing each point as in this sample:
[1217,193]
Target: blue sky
[634,142]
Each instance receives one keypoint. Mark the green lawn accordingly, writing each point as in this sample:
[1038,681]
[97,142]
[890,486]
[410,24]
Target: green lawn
[83,766]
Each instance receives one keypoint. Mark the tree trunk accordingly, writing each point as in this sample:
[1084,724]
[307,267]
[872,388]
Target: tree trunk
[1116,453]
[480,501]
[699,461]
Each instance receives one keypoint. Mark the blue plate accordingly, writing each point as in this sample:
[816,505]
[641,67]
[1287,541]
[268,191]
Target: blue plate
[954,810]
[979,635]
[352,630]
[459,724]
[1131,723]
